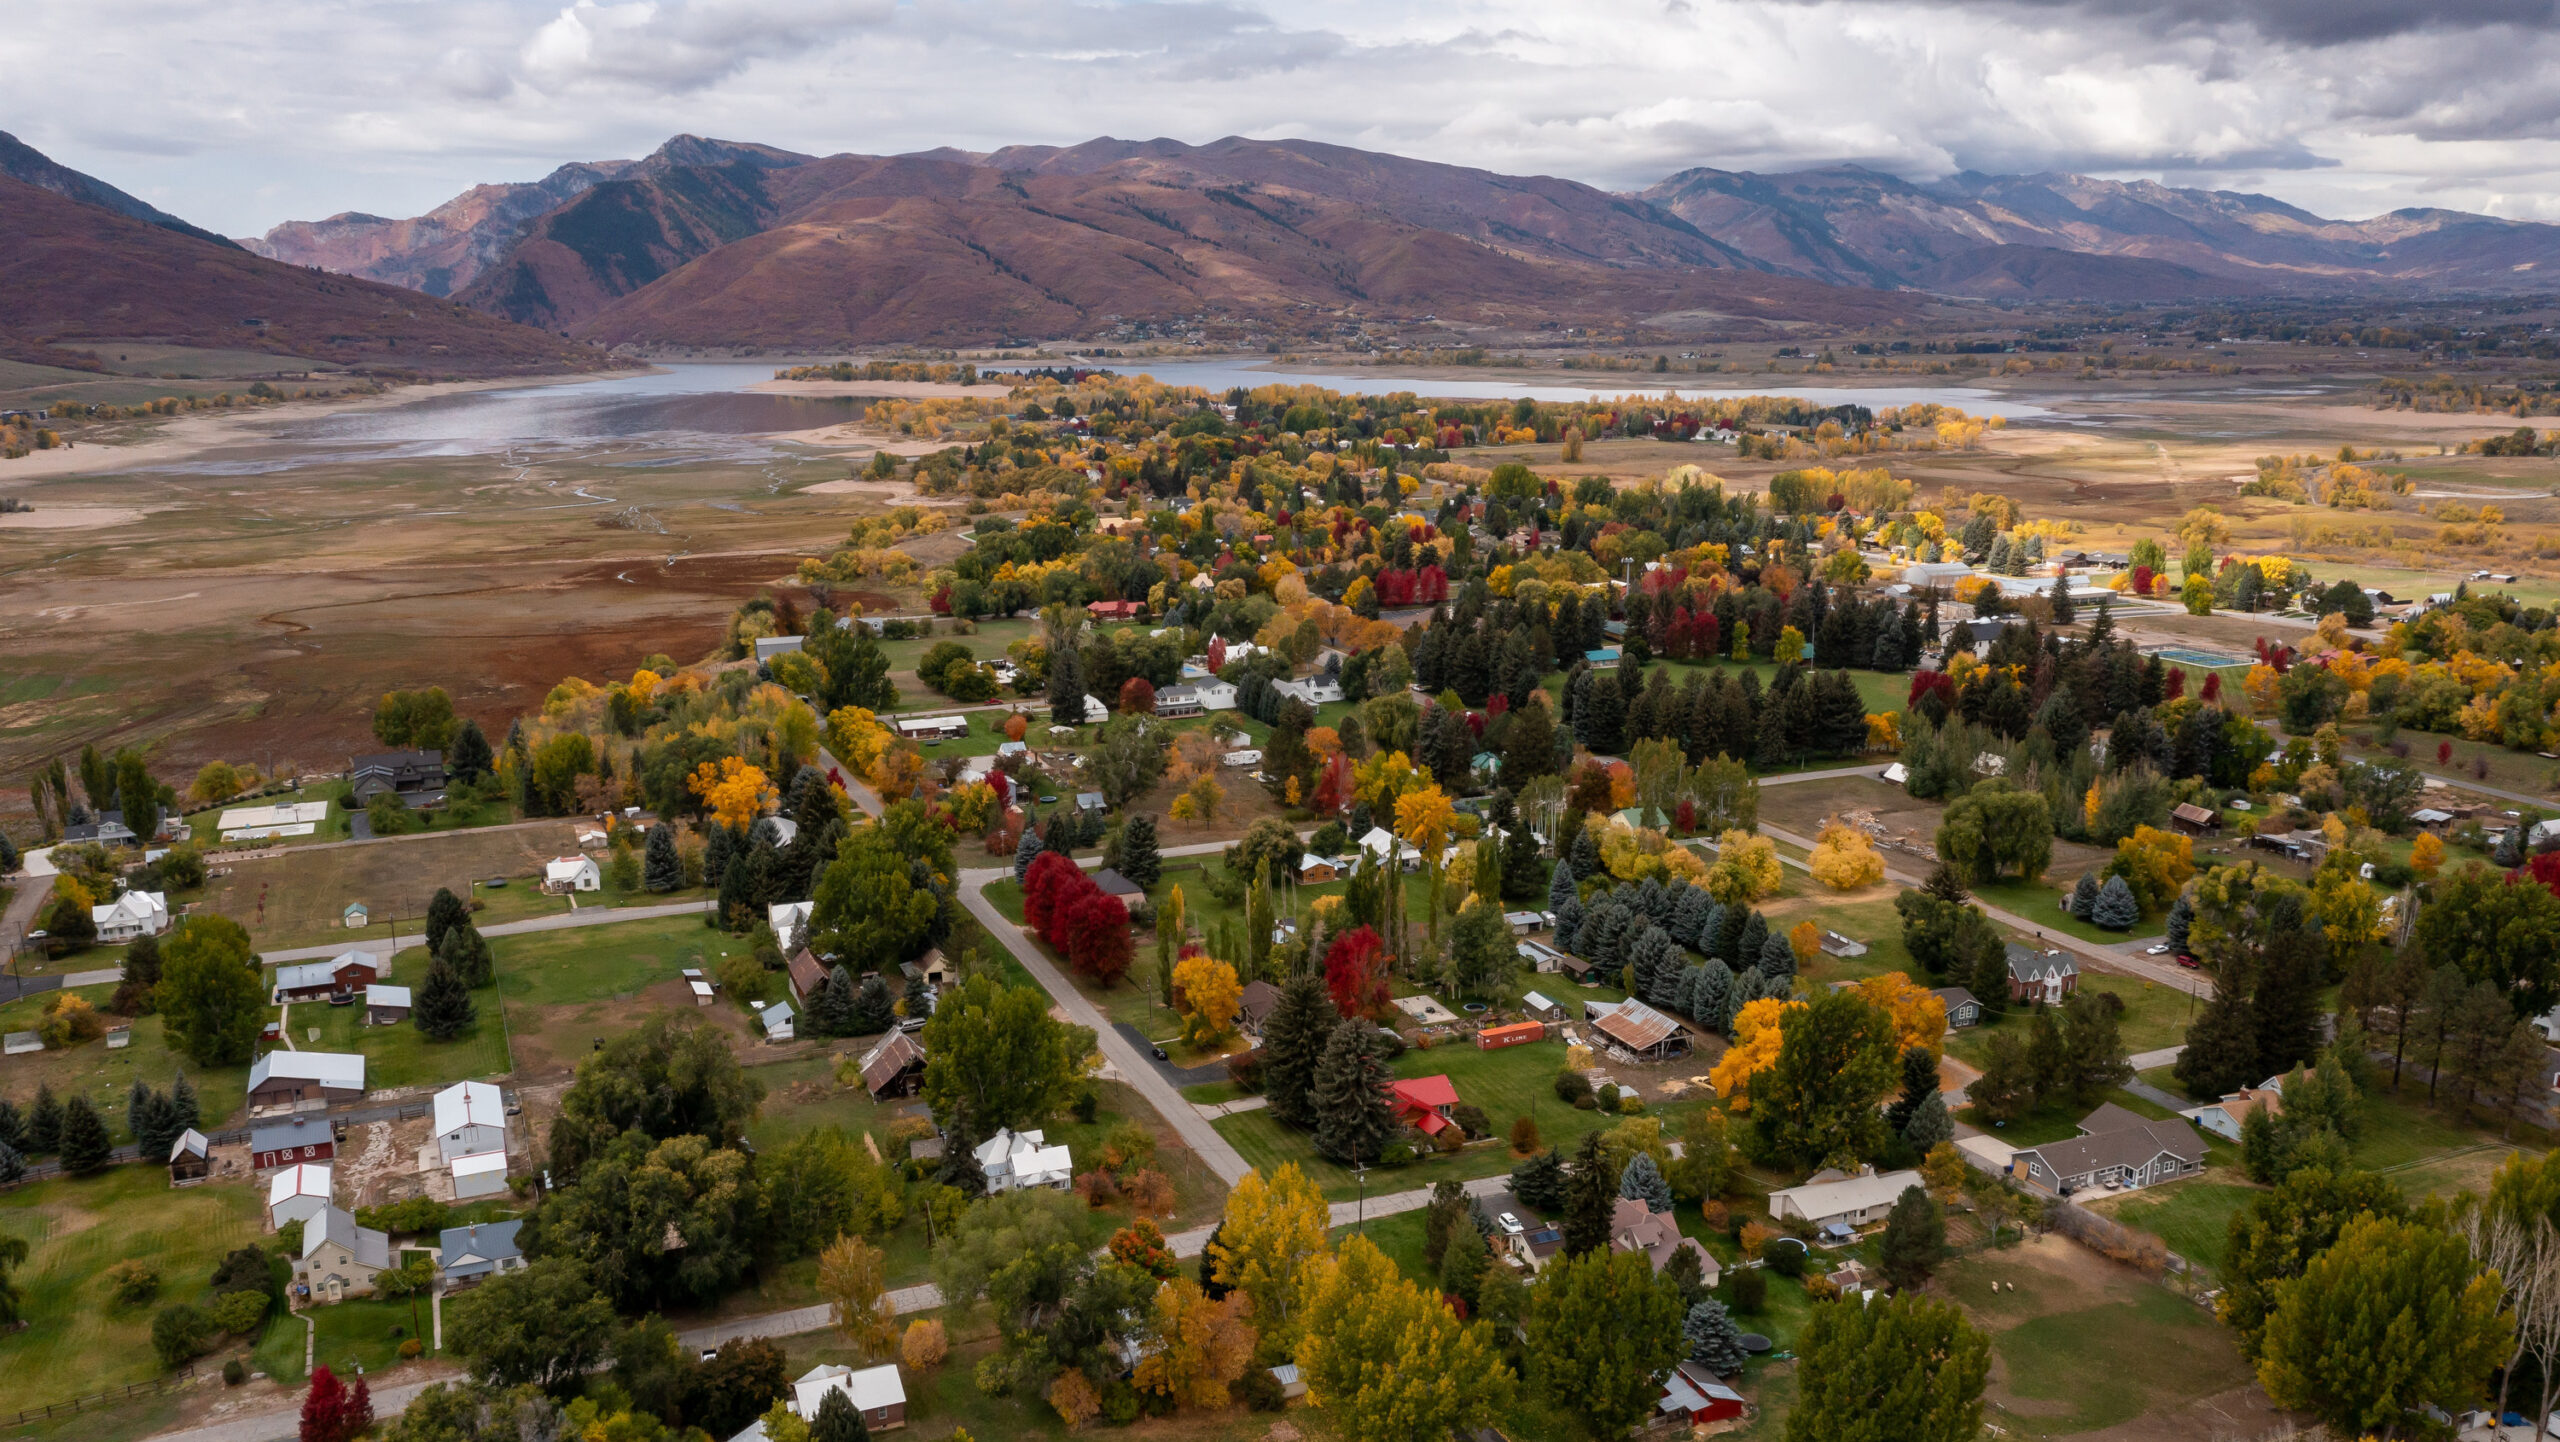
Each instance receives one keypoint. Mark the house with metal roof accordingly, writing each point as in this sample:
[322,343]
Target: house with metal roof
[1831,1199]
[467,1254]
[471,1117]
[1638,1029]
[339,1259]
[303,1080]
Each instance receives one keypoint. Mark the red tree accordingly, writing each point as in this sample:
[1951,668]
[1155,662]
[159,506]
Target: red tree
[1333,784]
[2544,868]
[1355,971]
[2444,753]
[2212,691]
[332,1413]
[2177,682]
[1138,696]
[1217,654]
[1044,887]
[1097,934]
[1926,683]
[2140,585]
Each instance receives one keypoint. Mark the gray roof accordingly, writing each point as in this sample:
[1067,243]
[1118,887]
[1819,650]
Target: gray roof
[2026,964]
[342,1070]
[190,1143]
[299,1132]
[1953,996]
[369,1247]
[2126,1147]
[476,1251]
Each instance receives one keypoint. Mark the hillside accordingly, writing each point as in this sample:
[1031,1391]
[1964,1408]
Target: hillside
[21,161]
[71,271]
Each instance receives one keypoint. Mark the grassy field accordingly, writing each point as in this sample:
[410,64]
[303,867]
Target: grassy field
[299,898]
[2154,1017]
[77,1342]
[105,1075]
[359,1333]
[2040,902]
[399,1055]
[2193,1217]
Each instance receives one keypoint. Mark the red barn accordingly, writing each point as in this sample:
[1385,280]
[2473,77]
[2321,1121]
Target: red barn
[1424,1103]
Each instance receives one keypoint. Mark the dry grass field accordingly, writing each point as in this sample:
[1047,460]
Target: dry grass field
[299,898]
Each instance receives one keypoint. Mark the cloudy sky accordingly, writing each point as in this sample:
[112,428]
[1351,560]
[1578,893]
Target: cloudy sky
[238,116]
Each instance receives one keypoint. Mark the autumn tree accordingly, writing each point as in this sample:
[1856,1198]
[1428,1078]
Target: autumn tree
[854,1279]
[734,791]
[1844,858]
[1388,1363]
[1209,992]
[2393,1318]
[1268,1245]
[1199,1347]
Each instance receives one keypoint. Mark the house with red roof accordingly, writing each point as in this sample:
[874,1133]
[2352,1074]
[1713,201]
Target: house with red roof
[1424,1102]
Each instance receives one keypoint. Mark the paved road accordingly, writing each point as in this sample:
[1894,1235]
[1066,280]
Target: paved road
[2127,959]
[1136,1067]
[562,921]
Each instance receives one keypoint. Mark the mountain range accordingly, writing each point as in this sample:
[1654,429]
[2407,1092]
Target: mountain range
[713,243]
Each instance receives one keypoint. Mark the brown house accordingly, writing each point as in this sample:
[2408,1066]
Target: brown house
[190,1158]
[894,1067]
[807,975]
[1636,1227]
[1254,1006]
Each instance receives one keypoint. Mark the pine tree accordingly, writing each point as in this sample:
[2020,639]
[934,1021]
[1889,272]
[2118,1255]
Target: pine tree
[1569,919]
[874,1010]
[1752,942]
[1139,860]
[661,867]
[1919,1081]
[445,911]
[838,1420]
[1066,688]
[1560,886]
[716,854]
[1642,1181]
[1353,1121]
[1689,921]
[1710,999]
[444,1009]
[1651,954]
[13,1166]
[960,1169]
[44,1122]
[85,1143]
[1777,958]
[1027,852]
[467,952]
[146,1115]
[1714,1342]
[2182,914]
[1585,855]
[1590,1199]
[2115,908]
[2084,896]
[1915,1240]
[2221,1054]
[1521,862]
[183,1112]
[1539,1182]
[831,1005]
[13,1126]
[1929,1125]
[1463,1266]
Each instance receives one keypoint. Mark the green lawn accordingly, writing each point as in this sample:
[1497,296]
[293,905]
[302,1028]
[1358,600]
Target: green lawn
[1511,1082]
[2192,1216]
[2155,1016]
[2041,902]
[359,1333]
[592,963]
[399,1055]
[2158,1349]
[77,1343]
[106,1074]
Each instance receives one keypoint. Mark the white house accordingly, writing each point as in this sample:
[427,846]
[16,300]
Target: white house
[789,920]
[298,1193]
[1216,695]
[484,1175]
[875,1392]
[471,1117]
[572,873]
[1386,850]
[136,913]
[1014,1159]
[1314,690]
[1845,1201]
[776,1017]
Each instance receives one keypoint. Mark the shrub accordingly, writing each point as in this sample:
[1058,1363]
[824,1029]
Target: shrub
[1572,1086]
[1786,1261]
[1586,1103]
[1245,1070]
[1397,1154]
[1085,1106]
[1629,1104]
[1451,1139]
[411,1348]
[181,1333]
[1746,1291]
[1524,1135]
[233,1374]
[1260,1391]
[132,1283]
[925,1344]
[1472,1117]
[1716,1215]
[240,1313]
[408,1216]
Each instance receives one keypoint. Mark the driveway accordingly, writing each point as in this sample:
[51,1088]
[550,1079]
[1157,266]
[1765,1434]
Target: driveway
[1215,1071]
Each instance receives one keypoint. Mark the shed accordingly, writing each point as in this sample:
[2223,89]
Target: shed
[1540,1007]
[1114,884]
[386,1005]
[1291,1383]
[1640,1029]
[1518,1033]
[356,916]
[471,1117]
[2193,819]
[304,1080]
[777,1021]
[190,1158]
[281,1144]
[480,1175]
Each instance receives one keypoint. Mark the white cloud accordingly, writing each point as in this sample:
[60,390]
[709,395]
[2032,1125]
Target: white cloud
[238,116]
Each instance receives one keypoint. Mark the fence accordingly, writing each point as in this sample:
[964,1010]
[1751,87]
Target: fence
[183,1378]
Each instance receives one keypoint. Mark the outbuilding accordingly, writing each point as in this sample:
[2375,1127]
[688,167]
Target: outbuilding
[471,1117]
[190,1158]
[298,1193]
[284,1143]
[284,1081]
[386,1005]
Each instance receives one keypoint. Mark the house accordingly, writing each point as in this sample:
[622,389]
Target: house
[1519,1238]
[2432,819]
[1636,1227]
[1116,610]
[190,1158]
[345,974]
[807,975]
[2046,976]
[2118,1149]
[1842,1202]
[1314,690]
[108,830]
[1246,756]
[2225,1117]
[471,1117]
[484,1175]
[299,1193]
[932,728]
[1013,1160]
[1524,922]
[386,1005]
[1114,884]
[356,917]
[894,1067]
[932,967]
[1640,1030]
[1387,850]
[134,914]
[466,1254]
[303,1081]
[1962,1009]
[1693,1395]
[1254,1006]
[282,1144]
[339,1259]
[1517,1033]
[1604,658]
[1314,870]
[1179,701]
[566,874]
[1424,1103]
[1540,1008]
[416,777]
[790,920]
[1834,944]
[875,1392]
[776,1020]
[1214,695]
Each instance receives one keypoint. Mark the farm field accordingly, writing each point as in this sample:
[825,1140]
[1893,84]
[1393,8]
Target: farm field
[298,899]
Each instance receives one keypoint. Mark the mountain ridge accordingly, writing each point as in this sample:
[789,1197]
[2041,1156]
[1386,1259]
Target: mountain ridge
[23,162]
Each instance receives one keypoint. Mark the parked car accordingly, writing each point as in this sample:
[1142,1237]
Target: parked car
[2160,950]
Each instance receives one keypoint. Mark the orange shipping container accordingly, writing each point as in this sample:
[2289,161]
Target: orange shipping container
[1514,1034]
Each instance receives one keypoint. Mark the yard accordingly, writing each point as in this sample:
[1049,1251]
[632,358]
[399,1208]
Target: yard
[78,1342]
[106,1074]
[399,1055]
[361,1334]
[299,898]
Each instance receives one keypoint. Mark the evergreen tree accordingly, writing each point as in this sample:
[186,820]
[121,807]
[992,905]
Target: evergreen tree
[1929,1125]
[1139,860]
[467,952]
[1752,942]
[1569,919]
[44,1122]
[2115,908]
[13,1167]
[444,1009]
[2084,896]
[1585,855]
[1915,1240]
[1650,955]
[838,1420]
[1689,919]
[470,757]
[1713,1341]
[716,854]
[85,1143]
[2061,598]
[1027,852]
[1539,1182]
[1711,931]
[1463,1266]
[1642,1181]
[960,1169]
[2221,1054]
[146,1115]
[183,1112]
[1521,862]
[1590,1200]
[1712,997]
[13,1125]
[2182,914]
[445,911]
[831,1005]
[1919,1081]
[874,1011]
[1354,1124]
[1066,688]
[661,867]
[1777,958]
[1560,888]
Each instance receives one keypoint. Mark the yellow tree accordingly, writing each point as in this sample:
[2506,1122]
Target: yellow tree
[2156,864]
[2426,853]
[856,738]
[1746,868]
[1943,1171]
[1268,1244]
[1756,1040]
[1383,778]
[1389,1363]
[1199,802]
[1844,859]
[1199,1347]
[1805,940]
[1423,819]
[854,1280]
[1919,1016]
[1209,990]
[734,791]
